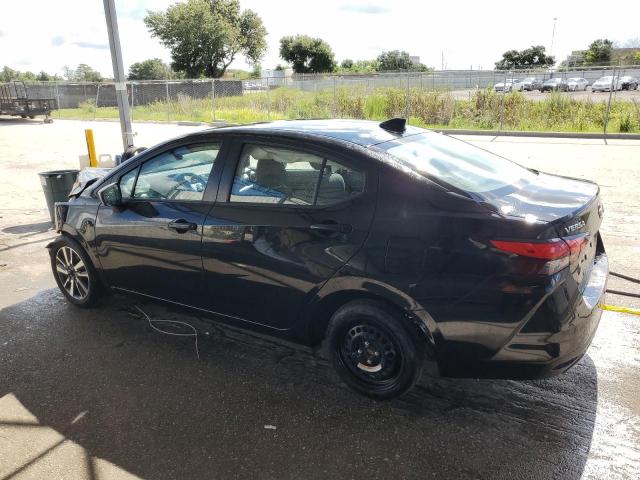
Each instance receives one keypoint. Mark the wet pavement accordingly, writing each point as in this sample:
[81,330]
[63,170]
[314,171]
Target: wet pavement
[115,399]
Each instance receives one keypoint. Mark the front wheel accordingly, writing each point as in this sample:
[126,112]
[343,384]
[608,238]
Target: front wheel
[74,273]
[374,350]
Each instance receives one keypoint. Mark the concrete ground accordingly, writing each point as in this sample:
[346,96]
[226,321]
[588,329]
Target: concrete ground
[97,394]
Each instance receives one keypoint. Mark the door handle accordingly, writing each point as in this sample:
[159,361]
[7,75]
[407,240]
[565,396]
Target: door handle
[332,227]
[182,226]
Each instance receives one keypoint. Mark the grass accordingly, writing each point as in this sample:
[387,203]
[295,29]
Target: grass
[484,109]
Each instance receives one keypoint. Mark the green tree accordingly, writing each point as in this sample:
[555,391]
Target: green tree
[366,66]
[532,57]
[307,55]
[205,36]
[599,52]
[152,69]
[82,73]
[44,76]
[346,64]
[7,74]
[394,60]
[256,71]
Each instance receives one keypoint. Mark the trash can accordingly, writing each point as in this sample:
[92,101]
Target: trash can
[56,186]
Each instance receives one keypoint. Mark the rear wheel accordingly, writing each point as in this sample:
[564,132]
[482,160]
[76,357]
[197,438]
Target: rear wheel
[74,273]
[373,351]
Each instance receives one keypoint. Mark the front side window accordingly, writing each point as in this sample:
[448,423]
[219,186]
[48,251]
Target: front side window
[274,175]
[179,174]
[127,182]
[457,163]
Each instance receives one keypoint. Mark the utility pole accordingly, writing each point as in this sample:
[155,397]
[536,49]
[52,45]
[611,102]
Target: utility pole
[553,34]
[118,73]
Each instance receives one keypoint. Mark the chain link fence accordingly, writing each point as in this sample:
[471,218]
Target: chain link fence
[468,99]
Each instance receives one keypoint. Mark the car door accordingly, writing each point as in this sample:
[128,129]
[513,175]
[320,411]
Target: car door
[286,219]
[152,244]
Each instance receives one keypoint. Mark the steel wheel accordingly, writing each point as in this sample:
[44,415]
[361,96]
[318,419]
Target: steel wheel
[371,354]
[72,272]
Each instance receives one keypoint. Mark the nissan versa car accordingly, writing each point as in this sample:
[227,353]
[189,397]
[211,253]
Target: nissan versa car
[392,246]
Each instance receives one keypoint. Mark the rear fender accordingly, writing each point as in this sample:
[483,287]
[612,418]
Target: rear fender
[353,287]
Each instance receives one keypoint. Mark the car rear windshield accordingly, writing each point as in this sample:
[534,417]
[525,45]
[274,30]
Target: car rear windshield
[458,164]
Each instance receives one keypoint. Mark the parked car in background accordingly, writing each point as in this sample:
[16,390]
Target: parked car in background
[389,244]
[505,86]
[605,84]
[577,84]
[557,83]
[629,83]
[531,83]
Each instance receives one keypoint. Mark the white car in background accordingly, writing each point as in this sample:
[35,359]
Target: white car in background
[508,85]
[577,84]
[604,84]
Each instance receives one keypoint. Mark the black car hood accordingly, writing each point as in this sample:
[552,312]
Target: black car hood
[548,198]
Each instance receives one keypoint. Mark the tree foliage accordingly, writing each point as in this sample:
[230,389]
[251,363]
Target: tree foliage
[394,60]
[346,64]
[599,52]
[532,57]
[151,69]
[8,74]
[307,55]
[82,73]
[205,36]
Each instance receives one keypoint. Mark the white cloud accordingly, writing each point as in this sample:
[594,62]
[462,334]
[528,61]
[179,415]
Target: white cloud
[370,8]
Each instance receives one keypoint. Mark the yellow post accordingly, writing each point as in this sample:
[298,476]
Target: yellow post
[91,147]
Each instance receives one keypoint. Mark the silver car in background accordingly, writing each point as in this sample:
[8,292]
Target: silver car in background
[577,84]
[605,84]
[508,85]
[531,83]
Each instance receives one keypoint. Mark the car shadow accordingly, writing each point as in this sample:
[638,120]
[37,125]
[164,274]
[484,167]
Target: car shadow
[252,406]
[28,229]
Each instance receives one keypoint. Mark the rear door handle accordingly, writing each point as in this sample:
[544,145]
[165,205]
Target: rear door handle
[182,226]
[332,227]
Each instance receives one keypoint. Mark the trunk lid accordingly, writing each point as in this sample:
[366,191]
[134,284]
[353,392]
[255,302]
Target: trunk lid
[571,207]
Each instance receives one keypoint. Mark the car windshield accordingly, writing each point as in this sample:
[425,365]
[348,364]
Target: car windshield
[605,79]
[457,163]
[574,80]
[554,80]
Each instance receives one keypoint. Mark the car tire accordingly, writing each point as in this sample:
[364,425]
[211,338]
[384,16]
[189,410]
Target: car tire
[374,350]
[80,284]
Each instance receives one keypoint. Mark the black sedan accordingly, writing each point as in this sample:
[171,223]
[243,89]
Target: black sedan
[629,83]
[390,245]
[554,84]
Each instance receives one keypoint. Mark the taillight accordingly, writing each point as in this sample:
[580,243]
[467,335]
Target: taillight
[576,244]
[548,250]
[553,255]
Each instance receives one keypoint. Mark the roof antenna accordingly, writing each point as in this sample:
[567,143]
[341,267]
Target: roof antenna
[394,125]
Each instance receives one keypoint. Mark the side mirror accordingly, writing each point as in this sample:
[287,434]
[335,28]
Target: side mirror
[110,195]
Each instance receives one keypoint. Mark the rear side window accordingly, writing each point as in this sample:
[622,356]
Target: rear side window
[282,176]
[457,163]
[180,174]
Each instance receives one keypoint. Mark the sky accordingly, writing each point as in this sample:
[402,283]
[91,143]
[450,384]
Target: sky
[456,35]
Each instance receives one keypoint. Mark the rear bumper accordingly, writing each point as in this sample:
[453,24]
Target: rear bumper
[539,354]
